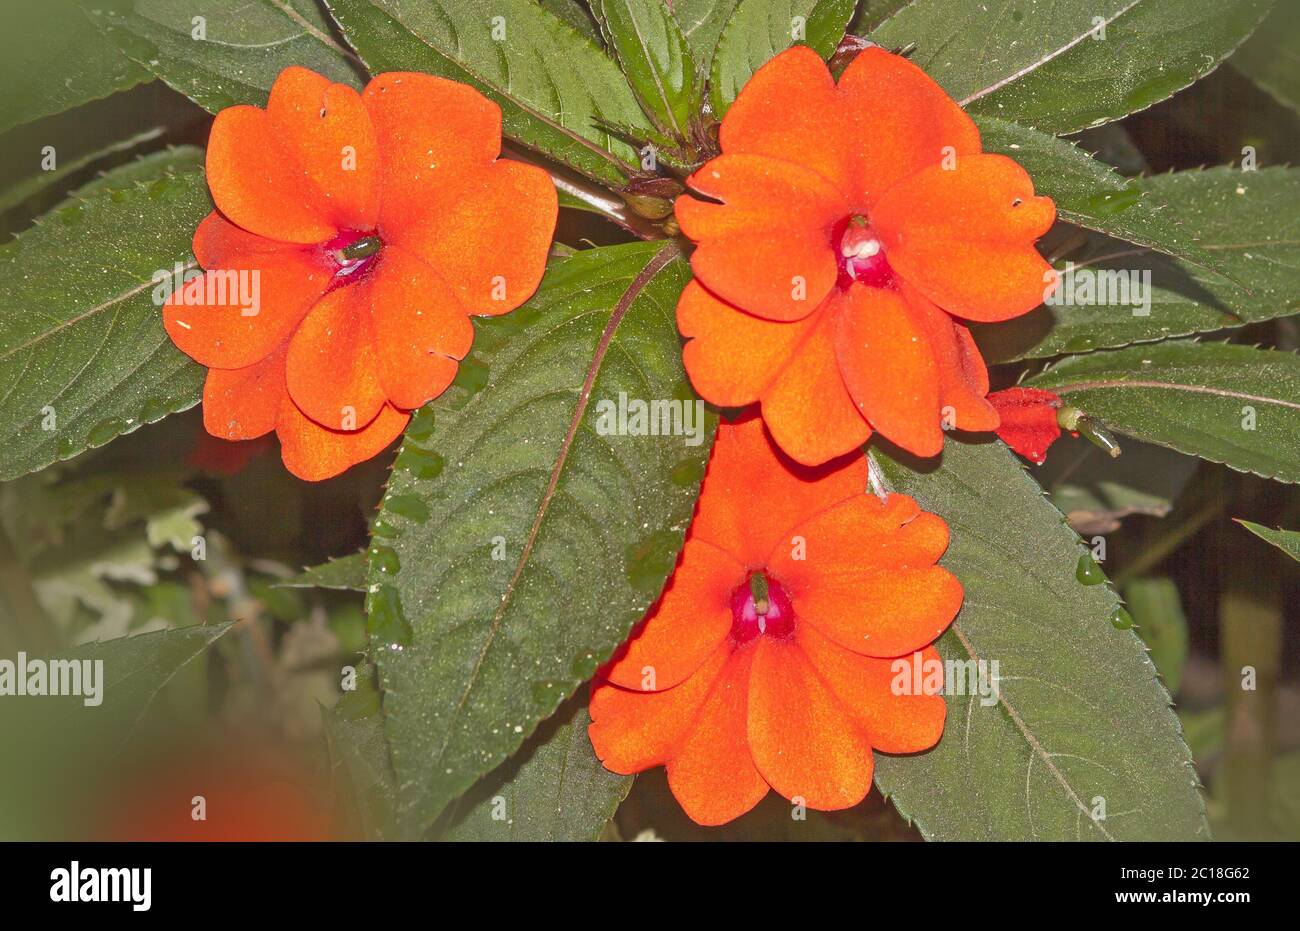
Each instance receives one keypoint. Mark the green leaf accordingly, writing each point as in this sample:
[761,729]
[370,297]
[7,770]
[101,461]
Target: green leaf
[360,769]
[871,13]
[1078,715]
[244,46]
[702,22]
[83,354]
[518,543]
[1089,194]
[1045,63]
[1096,492]
[1158,618]
[576,15]
[553,85]
[652,50]
[53,59]
[1226,403]
[761,29]
[1152,50]
[1288,541]
[135,669]
[970,46]
[92,738]
[1271,57]
[39,181]
[346,573]
[1250,223]
[553,789]
[178,160]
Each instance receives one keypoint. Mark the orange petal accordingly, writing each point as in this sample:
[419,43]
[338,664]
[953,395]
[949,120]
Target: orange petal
[732,356]
[633,730]
[712,775]
[963,378]
[754,496]
[232,316]
[759,195]
[866,515]
[972,363]
[332,370]
[691,619]
[430,131]
[804,743]
[257,182]
[767,247]
[243,404]
[420,328]
[488,233]
[871,587]
[218,243]
[900,121]
[881,695]
[964,237]
[789,110]
[889,368]
[328,131]
[808,407]
[314,453]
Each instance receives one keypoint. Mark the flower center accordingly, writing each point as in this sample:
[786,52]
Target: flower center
[353,253]
[862,257]
[760,606]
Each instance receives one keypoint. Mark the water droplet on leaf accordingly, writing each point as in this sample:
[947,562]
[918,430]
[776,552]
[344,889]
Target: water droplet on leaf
[650,560]
[387,624]
[585,665]
[384,558]
[104,431]
[412,507]
[547,693]
[421,425]
[422,463]
[1088,572]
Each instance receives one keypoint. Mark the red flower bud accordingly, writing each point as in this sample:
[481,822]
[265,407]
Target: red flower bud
[1029,424]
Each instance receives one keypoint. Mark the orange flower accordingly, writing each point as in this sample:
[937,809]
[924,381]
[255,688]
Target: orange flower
[766,662]
[855,222]
[354,236]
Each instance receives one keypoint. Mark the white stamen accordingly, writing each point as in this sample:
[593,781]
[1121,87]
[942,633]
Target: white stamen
[863,250]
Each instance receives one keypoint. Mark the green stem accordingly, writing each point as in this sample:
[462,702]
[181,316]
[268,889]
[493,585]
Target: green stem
[599,200]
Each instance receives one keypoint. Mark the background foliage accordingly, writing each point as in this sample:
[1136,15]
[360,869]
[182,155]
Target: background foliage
[408,683]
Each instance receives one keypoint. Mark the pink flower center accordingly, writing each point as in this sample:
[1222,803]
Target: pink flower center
[760,606]
[861,254]
[353,254]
